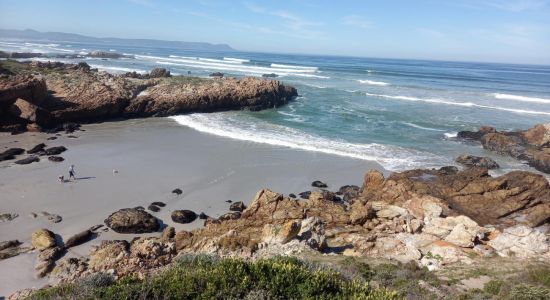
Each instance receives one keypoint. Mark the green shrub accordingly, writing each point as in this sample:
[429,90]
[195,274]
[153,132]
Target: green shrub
[205,277]
[493,287]
[540,275]
[529,292]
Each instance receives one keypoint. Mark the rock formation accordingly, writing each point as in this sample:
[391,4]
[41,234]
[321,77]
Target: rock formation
[65,93]
[531,145]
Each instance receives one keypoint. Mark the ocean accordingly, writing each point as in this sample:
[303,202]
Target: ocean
[400,113]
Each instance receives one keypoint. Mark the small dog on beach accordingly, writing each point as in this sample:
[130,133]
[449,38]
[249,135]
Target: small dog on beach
[61,178]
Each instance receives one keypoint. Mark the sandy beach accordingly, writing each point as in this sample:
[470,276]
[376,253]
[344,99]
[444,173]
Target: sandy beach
[152,157]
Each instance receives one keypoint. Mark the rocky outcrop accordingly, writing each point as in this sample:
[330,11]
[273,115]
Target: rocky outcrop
[75,93]
[104,54]
[183,216]
[476,161]
[531,145]
[132,220]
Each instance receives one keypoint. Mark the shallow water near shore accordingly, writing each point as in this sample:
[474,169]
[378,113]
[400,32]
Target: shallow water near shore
[400,113]
[152,157]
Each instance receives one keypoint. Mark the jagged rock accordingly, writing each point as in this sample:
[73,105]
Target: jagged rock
[168,233]
[384,210]
[56,158]
[183,216]
[232,215]
[521,241]
[46,260]
[360,213]
[68,269]
[158,203]
[42,239]
[237,206]
[216,74]
[159,73]
[203,216]
[9,244]
[177,191]
[281,234]
[292,195]
[30,112]
[312,232]
[79,238]
[28,160]
[319,184]
[108,254]
[8,217]
[36,149]
[476,161]
[11,153]
[131,220]
[55,150]
[104,54]
[349,192]
[183,239]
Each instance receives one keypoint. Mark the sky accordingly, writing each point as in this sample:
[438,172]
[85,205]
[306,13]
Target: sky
[511,31]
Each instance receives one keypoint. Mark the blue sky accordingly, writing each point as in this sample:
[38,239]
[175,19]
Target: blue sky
[515,31]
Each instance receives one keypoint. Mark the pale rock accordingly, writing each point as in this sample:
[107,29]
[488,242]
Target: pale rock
[521,241]
[42,239]
[280,234]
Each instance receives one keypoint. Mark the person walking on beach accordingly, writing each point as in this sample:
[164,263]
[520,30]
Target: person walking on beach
[71,173]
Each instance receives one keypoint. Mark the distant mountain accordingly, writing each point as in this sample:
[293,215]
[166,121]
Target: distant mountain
[30,34]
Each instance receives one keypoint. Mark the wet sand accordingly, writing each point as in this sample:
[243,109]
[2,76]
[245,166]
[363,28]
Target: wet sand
[152,157]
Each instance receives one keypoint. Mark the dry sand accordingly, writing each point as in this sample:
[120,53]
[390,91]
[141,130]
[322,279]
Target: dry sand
[153,157]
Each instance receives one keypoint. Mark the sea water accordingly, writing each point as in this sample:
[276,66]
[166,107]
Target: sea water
[400,113]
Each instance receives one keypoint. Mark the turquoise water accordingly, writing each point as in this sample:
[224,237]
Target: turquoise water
[400,113]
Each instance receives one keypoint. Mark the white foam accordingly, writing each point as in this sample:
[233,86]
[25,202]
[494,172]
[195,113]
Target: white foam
[464,104]
[520,98]
[372,82]
[451,135]
[294,67]
[239,60]
[117,69]
[420,127]
[222,124]
[197,63]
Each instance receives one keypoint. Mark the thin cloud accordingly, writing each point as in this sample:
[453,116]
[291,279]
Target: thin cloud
[357,21]
[146,3]
[517,5]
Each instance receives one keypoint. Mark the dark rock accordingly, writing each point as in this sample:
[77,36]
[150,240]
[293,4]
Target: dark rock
[233,215]
[71,127]
[11,153]
[153,208]
[237,206]
[158,203]
[272,75]
[104,54]
[79,238]
[96,227]
[183,216]
[203,216]
[168,233]
[72,137]
[56,158]
[139,207]
[216,74]
[475,135]
[55,150]
[38,148]
[292,195]
[305,195]
[28,160]
[9,244]
[318,184]
[349,192]
[159,72]
[131,220]
[476,161]
[51,138]
[177,191]
[6,217]
[229,201]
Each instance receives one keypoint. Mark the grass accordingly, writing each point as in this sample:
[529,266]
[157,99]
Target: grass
[205,277]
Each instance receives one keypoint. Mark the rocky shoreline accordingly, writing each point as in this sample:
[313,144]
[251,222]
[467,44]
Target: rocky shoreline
[438,219]
[40,96]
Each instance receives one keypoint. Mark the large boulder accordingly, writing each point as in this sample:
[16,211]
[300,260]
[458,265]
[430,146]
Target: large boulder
[159,72]
[30,112]
[43,239]
[183,216]
[11,153]
[132,220]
